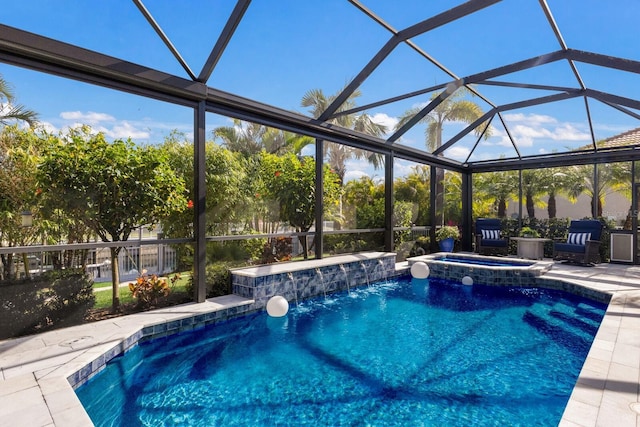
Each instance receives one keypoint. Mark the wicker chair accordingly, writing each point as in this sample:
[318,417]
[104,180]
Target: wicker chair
[582,245]
[489,239]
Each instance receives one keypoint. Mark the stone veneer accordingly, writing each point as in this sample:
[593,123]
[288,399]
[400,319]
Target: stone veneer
[300,280]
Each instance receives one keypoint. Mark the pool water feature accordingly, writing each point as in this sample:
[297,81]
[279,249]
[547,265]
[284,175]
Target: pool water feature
[407,352]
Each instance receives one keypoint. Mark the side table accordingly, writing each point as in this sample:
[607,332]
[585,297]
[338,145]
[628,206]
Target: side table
[530,247]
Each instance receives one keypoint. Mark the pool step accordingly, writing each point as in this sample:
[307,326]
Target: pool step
[585,324]
[590,312]
[563,327]
[583,313]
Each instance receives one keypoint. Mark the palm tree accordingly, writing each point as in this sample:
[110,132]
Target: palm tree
[9,111]
[613,177]
[495,189]
[533,186]
[338,154]
[454,108]
[251,138]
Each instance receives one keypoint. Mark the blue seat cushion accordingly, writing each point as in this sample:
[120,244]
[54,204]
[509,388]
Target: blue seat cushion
[497,243]
[568,247]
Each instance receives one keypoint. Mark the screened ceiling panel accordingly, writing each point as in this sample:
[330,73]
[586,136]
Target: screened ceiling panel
[286,48]
[532,61]
[405,13]
[494,144]
[503,33]
[608,121]
[611,81]
[546,129]
[115,29]
[616,25]
[403,71]
[204,19]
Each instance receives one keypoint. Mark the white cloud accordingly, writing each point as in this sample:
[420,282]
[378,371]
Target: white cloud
[386,120]
[457,153]
[126,130]
[143,130]
[529,119]
[90,117]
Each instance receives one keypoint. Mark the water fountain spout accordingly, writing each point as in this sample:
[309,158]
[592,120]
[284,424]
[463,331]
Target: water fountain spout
[366,274]
[384,272]
[295,287]
[346,277]
[324,287]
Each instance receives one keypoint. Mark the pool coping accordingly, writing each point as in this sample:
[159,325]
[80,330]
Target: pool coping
[35,371]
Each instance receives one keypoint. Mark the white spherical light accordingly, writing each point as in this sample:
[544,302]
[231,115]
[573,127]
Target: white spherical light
[466,280]
[420,270]
[277,306]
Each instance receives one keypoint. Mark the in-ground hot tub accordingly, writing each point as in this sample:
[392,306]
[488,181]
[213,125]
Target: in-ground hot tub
[485,270]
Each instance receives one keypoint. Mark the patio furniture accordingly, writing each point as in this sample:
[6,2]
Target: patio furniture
[582,245]
[489,239]
[530,247]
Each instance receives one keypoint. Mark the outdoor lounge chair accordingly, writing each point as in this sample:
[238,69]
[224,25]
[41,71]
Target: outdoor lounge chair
[489,239]
[582,245]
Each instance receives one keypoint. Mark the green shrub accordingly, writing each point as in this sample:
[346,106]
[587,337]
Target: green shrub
[217,279]
[54,299]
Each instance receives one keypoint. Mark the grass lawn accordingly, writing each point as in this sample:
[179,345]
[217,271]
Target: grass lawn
[103,291]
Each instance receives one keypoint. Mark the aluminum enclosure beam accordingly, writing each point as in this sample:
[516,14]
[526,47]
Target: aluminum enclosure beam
[32,51]
[40,53]
[409,32]
[558,160]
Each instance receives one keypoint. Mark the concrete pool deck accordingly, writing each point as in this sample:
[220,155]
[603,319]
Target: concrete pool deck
[34,390]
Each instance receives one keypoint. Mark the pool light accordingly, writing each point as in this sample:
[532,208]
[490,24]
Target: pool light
[420,270]
[277,306]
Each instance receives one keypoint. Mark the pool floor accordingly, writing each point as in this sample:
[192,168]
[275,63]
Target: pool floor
[400,353]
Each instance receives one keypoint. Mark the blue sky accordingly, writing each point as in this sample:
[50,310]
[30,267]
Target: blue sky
[284,48]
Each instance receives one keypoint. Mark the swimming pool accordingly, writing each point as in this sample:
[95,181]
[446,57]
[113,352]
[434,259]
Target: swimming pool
[409,352]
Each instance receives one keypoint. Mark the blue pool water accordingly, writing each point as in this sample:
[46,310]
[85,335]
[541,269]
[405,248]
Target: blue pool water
[405,353]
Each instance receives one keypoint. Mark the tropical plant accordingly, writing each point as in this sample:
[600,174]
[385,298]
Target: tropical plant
[19,153]
[251,138]
[113,188]
[10,111]
[414,189]
[338,154]
[492,192]
[290,181]
[533,186]
[148,290]
[454,108]
[528,232]
[447,232]
[228,188]
[611,177]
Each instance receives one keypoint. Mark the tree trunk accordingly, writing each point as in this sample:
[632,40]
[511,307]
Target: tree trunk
[25,263]
[551,206]
[440,195]
[115,280]
[531,210]
[303,242]
[598,206]
[502,208]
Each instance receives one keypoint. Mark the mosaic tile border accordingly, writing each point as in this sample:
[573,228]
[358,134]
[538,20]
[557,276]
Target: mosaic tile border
[311,278]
